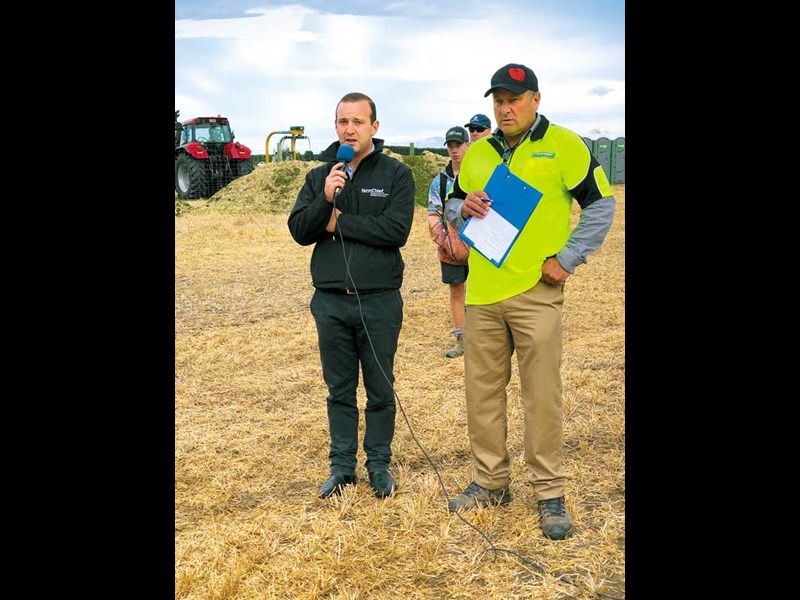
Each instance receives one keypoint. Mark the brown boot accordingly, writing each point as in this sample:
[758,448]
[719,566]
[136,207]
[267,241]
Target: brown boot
[555,520]
[477,495]
[458,349]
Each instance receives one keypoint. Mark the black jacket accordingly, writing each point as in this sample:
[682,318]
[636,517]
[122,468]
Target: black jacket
[377,211]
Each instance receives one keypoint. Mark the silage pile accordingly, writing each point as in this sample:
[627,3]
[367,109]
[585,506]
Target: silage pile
[270,188]
[273,188]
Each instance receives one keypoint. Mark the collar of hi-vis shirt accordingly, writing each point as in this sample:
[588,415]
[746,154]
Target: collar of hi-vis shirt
[350,170]
[506,149]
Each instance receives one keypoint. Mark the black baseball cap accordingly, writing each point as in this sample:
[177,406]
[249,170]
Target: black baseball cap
[514,78]
[458,134]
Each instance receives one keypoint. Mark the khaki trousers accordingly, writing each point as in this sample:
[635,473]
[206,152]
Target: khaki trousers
[529,322]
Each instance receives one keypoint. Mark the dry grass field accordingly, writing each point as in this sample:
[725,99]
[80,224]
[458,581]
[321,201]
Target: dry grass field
[251,437]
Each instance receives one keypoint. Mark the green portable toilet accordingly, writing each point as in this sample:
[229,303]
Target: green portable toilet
[618,160]
[602,152]
[590,144]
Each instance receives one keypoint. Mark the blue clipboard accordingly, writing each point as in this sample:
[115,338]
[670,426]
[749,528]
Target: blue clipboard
[513,199]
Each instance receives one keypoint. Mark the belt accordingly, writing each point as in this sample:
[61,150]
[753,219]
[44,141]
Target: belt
[352,292]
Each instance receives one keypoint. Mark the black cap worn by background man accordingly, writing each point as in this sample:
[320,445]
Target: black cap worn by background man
[514,78]
[458,134]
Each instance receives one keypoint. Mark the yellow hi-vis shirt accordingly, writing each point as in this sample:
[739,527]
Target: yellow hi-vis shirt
[555,162]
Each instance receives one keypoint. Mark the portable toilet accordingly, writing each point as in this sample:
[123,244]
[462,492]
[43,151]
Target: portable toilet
[602,152]
[618,160]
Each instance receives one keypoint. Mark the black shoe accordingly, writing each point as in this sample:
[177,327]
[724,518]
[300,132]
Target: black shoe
[382,482]
[335,483]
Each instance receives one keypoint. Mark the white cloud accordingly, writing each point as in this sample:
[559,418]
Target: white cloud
[281,24]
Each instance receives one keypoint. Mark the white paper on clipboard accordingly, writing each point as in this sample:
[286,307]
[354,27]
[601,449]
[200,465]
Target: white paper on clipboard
[492,235]
[513,202]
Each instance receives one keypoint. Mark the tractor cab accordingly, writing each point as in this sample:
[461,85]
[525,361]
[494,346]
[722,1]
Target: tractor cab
[206,130]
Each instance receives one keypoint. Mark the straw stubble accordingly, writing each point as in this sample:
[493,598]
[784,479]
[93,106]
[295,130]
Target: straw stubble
[251,435]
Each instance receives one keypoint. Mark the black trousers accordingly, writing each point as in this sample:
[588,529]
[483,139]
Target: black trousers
[344,344]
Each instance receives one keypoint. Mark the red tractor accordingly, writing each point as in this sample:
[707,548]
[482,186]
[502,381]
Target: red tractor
[206,157]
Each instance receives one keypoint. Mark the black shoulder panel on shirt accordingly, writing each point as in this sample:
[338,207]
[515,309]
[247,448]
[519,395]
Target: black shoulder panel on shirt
[587,192]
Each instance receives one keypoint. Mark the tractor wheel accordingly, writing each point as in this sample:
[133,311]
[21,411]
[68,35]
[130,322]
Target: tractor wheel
[245,167]
[191,178]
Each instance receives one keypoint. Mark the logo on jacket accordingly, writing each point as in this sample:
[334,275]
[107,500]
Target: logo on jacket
[374,192]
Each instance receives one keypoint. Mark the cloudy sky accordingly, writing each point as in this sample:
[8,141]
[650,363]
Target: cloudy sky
[269,65]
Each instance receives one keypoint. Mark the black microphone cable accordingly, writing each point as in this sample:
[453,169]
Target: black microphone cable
[525,560]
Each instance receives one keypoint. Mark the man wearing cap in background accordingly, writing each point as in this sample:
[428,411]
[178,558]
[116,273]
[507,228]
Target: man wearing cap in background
[454,273]
[518,306]
[479,126]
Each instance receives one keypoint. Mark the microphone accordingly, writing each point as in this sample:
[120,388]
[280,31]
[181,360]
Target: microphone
[344,154]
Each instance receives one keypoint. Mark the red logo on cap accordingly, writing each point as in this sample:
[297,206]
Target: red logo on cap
[516,74]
